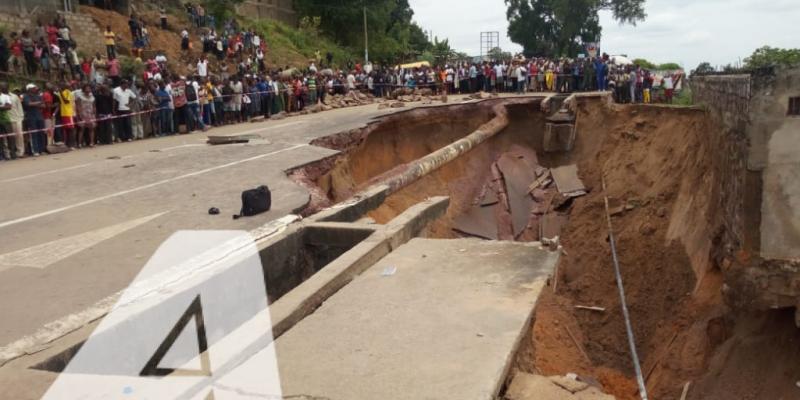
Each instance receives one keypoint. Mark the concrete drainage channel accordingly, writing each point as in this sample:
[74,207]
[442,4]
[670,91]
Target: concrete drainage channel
[432,237]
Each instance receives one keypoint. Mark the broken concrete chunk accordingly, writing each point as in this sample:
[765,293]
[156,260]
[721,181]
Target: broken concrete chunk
[230,139]
[478,221]
[490,196]
[567,181]
[536,387]
[569,383]
[551,225]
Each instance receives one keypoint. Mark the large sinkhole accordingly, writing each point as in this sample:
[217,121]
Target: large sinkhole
[505,165]
[663,180]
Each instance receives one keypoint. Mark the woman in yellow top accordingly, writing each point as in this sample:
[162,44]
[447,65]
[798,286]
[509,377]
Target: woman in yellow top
[549,77]
[67,109]
[110,40]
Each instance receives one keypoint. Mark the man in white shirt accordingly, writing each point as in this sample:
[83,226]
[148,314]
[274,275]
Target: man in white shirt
[122,101]
[238,89]
[17,114]
[498,71]
[202,67]
[12,115]
[193,116]
[669,87]
[521,80]
[351,81]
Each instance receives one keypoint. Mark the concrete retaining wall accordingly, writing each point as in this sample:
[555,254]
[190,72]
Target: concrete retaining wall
[762,147]
[728,96]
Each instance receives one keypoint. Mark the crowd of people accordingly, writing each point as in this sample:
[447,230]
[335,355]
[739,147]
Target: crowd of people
[46,51]
[88,102]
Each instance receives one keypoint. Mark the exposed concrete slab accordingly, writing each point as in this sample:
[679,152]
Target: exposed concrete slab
[536,387]
[444,325]
[780,207]
[276,237]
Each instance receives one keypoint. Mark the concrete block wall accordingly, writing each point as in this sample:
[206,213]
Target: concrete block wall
[15,23]
[728,96]
[84,30]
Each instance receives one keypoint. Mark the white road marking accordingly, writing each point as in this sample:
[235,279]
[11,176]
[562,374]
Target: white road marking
[60,170]
[287,124]
[143,187]
[263,128]
[46,254]
[55,171]
[181,147]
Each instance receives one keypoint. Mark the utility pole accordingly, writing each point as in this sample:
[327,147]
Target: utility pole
[366,41]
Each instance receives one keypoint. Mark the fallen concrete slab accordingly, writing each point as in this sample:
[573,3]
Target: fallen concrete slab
[567,181]
[536,387]
[435,319]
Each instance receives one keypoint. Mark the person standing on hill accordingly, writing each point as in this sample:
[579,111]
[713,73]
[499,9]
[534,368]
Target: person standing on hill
[113,71]
[133,24]
[163,15]
[202,67]
[185,40]
[111,42]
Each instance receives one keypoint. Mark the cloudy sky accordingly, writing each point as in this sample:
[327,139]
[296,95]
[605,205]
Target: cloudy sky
[683,31]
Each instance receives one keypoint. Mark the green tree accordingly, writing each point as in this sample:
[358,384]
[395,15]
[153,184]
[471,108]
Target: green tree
[644,63]
[703,68]
[392,34]
[671,66]
[497,54]
[771,56]
[557,27]
[442,52]
[221,9]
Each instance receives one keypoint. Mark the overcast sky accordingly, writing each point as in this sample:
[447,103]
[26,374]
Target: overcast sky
[683,31]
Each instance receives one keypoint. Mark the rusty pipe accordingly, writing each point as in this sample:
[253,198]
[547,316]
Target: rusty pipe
[433,161]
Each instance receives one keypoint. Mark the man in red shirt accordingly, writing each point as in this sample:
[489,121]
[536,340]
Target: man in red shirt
[52,34]
[16,63]
[86,68]
[47,111]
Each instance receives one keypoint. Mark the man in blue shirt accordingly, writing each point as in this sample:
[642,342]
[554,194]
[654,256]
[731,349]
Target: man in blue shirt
[163,108]
[32,105]
[601,69]
[262,88]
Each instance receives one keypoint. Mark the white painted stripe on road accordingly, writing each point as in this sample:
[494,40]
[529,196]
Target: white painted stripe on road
[60,170]
[287,124]
[181,147]
[49,253]
[55,171]
[263,128]
[143,187]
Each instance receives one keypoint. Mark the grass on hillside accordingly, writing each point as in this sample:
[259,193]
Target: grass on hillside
[295,47]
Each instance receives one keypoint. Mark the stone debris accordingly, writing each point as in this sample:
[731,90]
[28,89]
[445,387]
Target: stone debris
[516,202]
[567,181]
[351,99]
[526,386]
[480,96]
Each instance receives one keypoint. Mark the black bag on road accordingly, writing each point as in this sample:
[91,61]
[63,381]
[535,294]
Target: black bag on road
[255,201]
